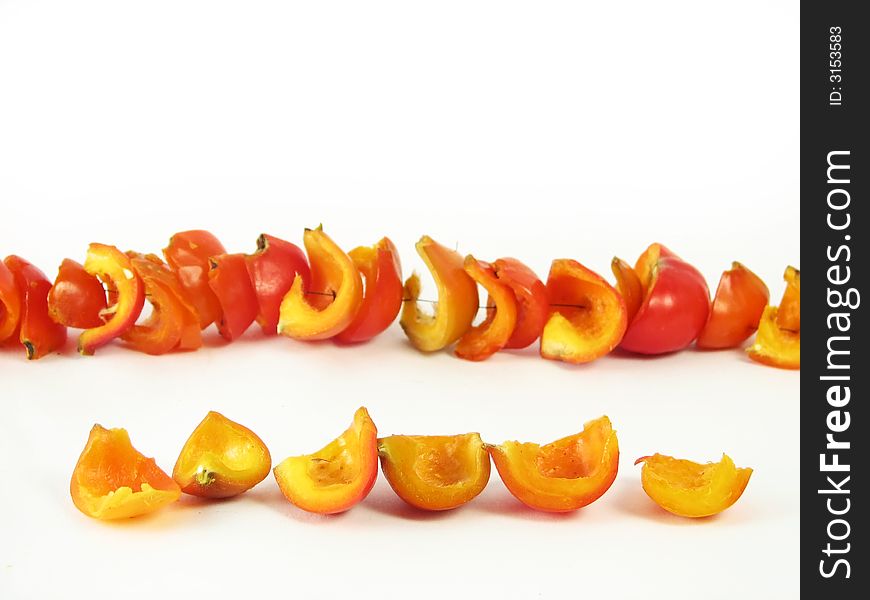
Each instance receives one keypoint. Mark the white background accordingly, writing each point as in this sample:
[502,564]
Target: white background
[539,130]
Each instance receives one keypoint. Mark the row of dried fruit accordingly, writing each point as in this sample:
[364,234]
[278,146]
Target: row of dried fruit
[660,305]
[222,458]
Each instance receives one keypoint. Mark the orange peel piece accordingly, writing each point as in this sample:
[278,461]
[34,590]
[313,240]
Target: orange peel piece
[741,297]
[691,489]
[457,299]
[336,292]
[588,316]
[435,472]
[335,478]
[221,458]
[564,475]
[484,340]
[629,286]
[778,340]
[113,480]
[379,265]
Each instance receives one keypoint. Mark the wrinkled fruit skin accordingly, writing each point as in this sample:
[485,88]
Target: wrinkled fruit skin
[435,472]
[778,341]
[675,308]
[457,299]
[564,475]
[690,489]
[737,308]
[220,459]
[113,480]
[337,477]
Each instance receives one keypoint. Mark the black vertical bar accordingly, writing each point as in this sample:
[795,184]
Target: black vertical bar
[834,230]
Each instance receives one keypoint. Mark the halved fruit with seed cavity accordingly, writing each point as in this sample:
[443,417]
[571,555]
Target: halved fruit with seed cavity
[691,489]
[435,472]
[338,476]
[564,475]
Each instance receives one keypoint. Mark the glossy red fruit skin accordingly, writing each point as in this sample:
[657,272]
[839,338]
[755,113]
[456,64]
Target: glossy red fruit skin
[740,300]
[675,309]
[77,298]
[37,332]
[126,294]
[229,280]
[272,269]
